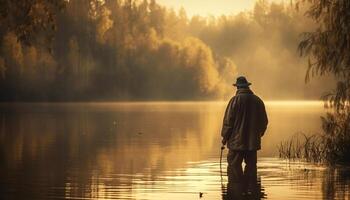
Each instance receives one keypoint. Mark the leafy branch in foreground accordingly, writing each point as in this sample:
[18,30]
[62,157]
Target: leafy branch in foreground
[328,51]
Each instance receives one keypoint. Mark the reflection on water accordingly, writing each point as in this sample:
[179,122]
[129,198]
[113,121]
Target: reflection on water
[149,151]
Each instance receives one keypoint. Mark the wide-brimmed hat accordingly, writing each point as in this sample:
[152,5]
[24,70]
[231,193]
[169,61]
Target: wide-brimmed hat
[241,82]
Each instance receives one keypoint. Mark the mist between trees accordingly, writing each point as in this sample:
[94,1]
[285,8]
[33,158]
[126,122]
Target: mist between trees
[140,50]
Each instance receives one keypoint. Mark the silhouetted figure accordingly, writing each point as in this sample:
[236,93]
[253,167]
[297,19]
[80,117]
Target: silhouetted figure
[244,124]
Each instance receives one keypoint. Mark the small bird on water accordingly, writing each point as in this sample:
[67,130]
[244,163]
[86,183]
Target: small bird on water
[201,194]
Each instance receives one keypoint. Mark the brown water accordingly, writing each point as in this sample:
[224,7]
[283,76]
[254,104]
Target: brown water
[149,151]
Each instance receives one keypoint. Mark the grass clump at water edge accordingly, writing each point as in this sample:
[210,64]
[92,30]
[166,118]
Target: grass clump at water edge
[301,146]
[332,146]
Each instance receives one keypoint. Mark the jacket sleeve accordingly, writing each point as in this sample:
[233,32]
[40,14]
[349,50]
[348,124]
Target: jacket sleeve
[264,119]
[227,126]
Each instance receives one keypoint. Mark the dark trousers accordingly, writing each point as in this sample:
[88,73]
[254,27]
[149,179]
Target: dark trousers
[240,184]
[234,169]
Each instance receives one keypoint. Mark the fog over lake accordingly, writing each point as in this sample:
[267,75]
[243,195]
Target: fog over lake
[148,151]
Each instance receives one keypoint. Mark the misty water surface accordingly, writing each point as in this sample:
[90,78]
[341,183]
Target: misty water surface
[149,151]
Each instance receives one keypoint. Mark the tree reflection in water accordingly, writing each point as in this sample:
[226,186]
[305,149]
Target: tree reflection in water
[94,151]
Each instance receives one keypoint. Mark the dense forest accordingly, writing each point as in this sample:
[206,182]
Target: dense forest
[97,50]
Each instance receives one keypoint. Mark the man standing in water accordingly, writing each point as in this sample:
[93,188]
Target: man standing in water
[244,124]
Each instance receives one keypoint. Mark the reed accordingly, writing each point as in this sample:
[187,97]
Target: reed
[301,146]
[325,148]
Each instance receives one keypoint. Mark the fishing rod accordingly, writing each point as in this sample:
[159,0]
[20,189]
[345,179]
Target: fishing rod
[222,149]
[223,189]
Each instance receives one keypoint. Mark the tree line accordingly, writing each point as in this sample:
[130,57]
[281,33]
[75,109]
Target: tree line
[80,50]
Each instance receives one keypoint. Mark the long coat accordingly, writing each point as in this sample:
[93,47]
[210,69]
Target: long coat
[245,121]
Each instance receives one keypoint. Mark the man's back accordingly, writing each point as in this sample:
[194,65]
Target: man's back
[245,121]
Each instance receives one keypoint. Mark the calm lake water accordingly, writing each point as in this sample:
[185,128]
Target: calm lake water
[150,151]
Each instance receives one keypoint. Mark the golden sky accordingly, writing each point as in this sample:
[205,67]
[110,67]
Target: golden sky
[211,7]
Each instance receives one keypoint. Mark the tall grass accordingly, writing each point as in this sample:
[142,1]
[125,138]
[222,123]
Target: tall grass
[331,146]
[300,146]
